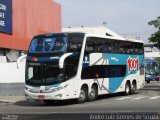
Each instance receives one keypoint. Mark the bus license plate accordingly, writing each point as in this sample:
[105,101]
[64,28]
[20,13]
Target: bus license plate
[41,96]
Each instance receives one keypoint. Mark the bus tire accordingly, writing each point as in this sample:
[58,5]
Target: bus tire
[134,87]
[127,88]
[93,93]
[148,81]
[83,95]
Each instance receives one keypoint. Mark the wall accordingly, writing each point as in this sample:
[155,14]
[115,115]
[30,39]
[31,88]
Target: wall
[12,79]
[31,17]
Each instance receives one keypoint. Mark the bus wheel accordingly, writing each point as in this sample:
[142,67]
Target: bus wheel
[134,87]
[93,94]
[148,81]
[127,89]
[83,95]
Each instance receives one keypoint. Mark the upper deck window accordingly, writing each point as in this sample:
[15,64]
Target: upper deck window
[51,44]
[57,43]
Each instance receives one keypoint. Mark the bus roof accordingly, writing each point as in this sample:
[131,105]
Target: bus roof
[100,31]
[150,61]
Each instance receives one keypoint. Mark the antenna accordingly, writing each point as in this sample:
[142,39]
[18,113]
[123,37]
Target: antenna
[104,23]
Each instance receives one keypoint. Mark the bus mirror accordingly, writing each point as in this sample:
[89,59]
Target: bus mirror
[20,59]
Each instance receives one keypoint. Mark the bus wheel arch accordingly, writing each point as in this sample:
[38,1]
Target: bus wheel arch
[93,92]
[83,96]
[127,87]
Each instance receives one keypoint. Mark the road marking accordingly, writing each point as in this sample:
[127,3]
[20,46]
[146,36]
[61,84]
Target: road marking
[138,98]
[153,98]
[124,98]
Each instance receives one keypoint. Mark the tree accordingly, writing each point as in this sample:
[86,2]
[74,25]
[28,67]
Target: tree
[158,60]
[155,38]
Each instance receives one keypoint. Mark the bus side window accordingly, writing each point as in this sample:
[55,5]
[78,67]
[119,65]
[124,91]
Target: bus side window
[108,47]
[137,48]
[75,44]
[90,46]
[104,47]
[116,47]
[128,49]
[99,45]
[121,48]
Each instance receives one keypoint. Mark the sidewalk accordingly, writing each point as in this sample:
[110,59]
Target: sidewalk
[11,99]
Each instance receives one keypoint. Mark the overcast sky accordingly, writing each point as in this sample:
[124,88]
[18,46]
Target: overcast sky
[129,17]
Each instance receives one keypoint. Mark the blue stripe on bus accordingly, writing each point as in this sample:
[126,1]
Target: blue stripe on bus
[55,85]
[43,59]
[119,59]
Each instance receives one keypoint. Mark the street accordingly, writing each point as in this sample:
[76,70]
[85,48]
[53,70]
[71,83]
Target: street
[144,100]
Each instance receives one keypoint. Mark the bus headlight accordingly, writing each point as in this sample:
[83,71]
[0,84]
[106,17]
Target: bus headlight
[26,88]
[37,90]
[59,88]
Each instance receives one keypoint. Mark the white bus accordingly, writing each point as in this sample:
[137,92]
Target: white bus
[81,66]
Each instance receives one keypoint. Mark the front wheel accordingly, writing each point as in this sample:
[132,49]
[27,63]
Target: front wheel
[83,95]
[93,94]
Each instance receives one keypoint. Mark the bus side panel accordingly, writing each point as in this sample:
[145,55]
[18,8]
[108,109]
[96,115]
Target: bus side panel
[133,64]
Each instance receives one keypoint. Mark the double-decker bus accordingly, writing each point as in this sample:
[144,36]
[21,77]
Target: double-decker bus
[81,66]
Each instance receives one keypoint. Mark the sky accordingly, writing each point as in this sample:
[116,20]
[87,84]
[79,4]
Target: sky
[126,17]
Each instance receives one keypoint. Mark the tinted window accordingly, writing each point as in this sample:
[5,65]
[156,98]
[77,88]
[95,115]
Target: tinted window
[103,71]
[138,48]
[91,45]
[75,43]
[101,45]
[48,44]
[57,43]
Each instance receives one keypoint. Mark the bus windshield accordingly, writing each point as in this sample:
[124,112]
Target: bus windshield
[57,43]
[152,68]
[43,74]
[45,70]
[48,44]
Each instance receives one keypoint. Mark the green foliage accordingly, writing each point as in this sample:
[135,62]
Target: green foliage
[156,22]
[155,38]
[158,60]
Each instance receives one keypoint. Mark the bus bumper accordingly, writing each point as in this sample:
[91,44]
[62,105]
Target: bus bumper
[44,96]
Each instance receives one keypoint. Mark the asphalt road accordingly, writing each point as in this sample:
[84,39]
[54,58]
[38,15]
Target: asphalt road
[145,100]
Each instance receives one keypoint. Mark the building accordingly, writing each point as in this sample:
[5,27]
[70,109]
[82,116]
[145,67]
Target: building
[20,20]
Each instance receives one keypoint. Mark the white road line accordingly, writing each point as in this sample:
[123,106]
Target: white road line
[124,98]
[138,98]
[153,98]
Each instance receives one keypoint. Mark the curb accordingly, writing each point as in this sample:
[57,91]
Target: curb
[11,99]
